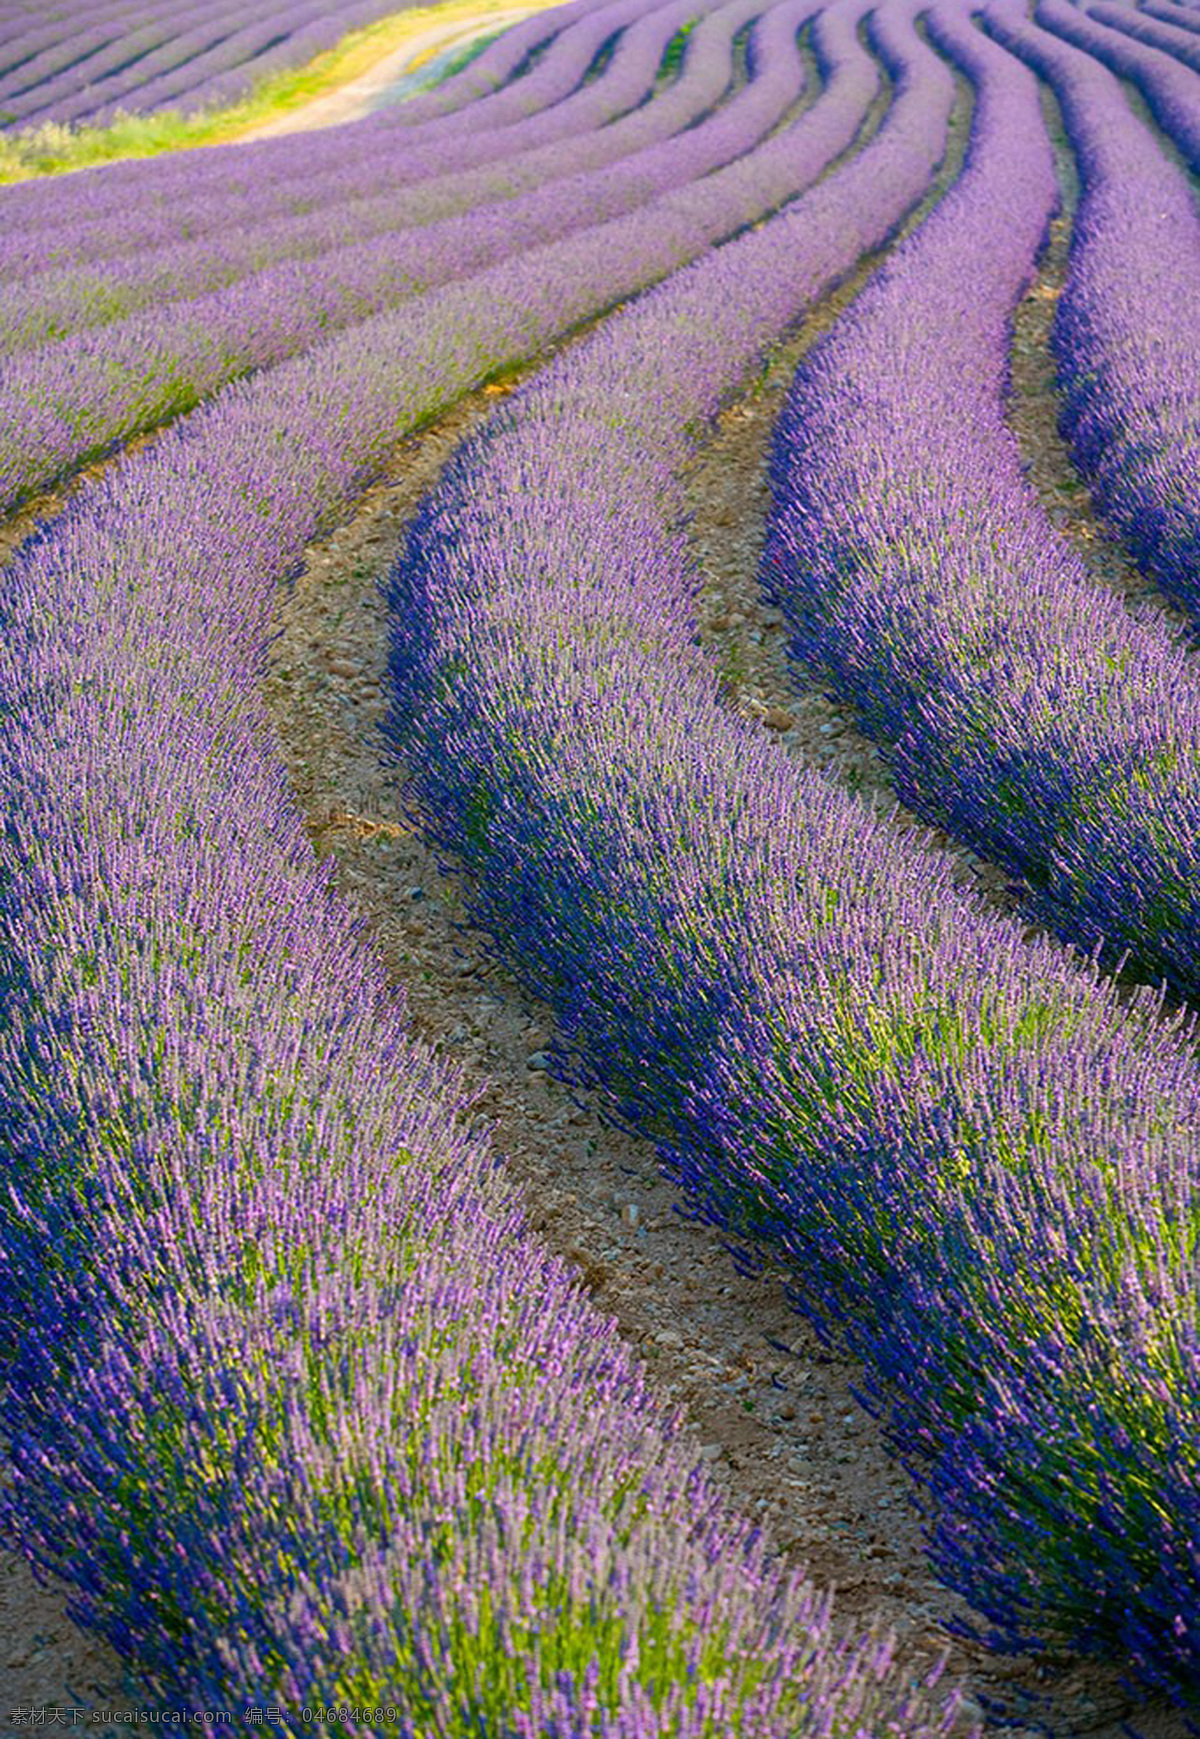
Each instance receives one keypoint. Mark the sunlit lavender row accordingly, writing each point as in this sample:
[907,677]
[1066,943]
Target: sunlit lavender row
[1168,88]
[584,135]
[1020,704]
[1127,335]
[69,401]
[294,1403]
[127,206]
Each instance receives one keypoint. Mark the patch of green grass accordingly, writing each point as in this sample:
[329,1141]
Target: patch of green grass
[672,58]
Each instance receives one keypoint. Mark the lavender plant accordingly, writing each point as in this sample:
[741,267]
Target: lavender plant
[127,207]
[169,362]
[979,1163]
[50,305]
[1155,33]
[1171,91]
[294,1402]
[246,1231]
[202,58]
[1183,16]
[1127,329]
[1020,705]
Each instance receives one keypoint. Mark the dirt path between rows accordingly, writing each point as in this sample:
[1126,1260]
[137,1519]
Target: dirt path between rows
[395,75]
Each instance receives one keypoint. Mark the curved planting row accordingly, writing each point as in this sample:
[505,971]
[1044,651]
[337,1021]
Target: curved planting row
[243,1231]
[586,136]
[182,195]
[41,50]
[1019,704]
[1171,91]
[980,1166]
[1127,329]
[204,60]
[1169,14]
[1180,43]
[61,79]
[80,397]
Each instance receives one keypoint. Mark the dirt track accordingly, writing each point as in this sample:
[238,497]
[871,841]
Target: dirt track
[395,76]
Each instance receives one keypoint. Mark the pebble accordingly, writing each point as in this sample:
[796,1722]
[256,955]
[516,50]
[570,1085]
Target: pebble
[537,1062]
[777,718]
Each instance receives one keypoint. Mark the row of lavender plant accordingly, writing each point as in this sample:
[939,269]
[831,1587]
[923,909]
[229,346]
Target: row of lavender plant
[204,63]
[979,1164]
[569,281]
[1126,334]
[1170,14]
[98,214]
[1182,13]
[1154,33]
[1020,705]
[121,47]
[82,396]
[38,54]
[51,305]
[45,43]
[1171,91]
[244,1230]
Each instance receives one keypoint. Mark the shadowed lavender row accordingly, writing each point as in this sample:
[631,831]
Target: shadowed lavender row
[981,1167]
[85,394]
[1127,328]
[181,195]
[1020,705]
[246,1234]
[587,136]
[205,60]
[1171,91]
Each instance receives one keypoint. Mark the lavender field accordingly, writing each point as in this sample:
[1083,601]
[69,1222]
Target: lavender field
[727,475]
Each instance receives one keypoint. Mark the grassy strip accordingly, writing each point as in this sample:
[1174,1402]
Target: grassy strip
[673,59]
[55,149]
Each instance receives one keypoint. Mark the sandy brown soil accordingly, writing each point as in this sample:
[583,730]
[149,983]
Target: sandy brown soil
[46,1661]
[393,75]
